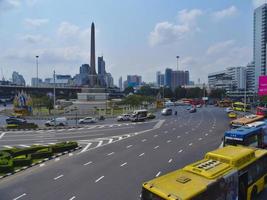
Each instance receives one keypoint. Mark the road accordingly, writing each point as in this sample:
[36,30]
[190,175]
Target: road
[115,169]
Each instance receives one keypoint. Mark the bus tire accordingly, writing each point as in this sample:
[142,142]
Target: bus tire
[254,193]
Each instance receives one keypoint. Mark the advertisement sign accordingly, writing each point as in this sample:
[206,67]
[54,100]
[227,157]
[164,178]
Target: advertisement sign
[262,86]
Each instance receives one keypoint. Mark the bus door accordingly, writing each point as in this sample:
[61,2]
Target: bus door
[243,185]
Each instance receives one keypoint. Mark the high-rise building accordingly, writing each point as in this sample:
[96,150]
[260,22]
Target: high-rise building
[259,42]
[36,82]
[134,80]
[251,77]
[101,65]
[160,79]
[168,77]
[120,83]
[179,78]
[239,77]
[18,79]
[220,80]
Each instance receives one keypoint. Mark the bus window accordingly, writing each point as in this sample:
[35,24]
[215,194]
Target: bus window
[252,141]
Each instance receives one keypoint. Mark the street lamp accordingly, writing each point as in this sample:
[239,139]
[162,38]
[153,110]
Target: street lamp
[37,81]
[177,57]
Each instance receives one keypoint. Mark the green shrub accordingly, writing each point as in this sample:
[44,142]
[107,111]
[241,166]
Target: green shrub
[63,146]
[22,126]
[4,155]
[21,161]
[42,153]
[12,126]
[3,161]
[27,150]
[7,168]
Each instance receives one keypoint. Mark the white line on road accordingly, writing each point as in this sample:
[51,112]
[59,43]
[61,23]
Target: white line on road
[42,164]
[110,140]
[58,177]
[99,179]
[141,154]
[199,139]
[22,145]
[170,161]
[57,159]
[156,147]
[190,144]
[109,154]
[206,134]
[6,146]
[180,151]
[168,141]
[165,131]
[158,174]
[24,194]
[143,140]
[99,143]
[129,146]
[87,163]
[2,135]
[155,135]
[72,198]
[86,147]
[123,164]
[178,136]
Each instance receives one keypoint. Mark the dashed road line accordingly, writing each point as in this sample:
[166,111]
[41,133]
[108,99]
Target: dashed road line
[123,164]
[141,154]
[129,146]
[144,140]
[72,198]
[170,161]
[60,176]
[180,151]
[109,154]
[156,147]
[168,141]
[97,180]
[158,174]
[20,196]
[88,163]
[155,135]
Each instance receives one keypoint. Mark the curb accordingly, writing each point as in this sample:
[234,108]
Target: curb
[37,129]
[39,162]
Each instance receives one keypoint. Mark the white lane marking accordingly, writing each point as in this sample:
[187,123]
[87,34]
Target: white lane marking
[80,128]
[199,139]
[180,151]
[72,198]
[71,129]
[70,154]
[110,140]
[141,154]
[90,162]
[109,154]
[155,136]
[123,164]
[100,126]
[60,176]
[168,141]
[2,135]
[120,138]
[178,136]
[91,127]
[42,164]
[99,143]
[6,146]
[86,147]
[186,132]
[24,194]
[170,161]
[22,145]
[99,179]
[57,159]
[156,147]
[158,174]
[206,134]
[129,146]
[143,140]
[165,131]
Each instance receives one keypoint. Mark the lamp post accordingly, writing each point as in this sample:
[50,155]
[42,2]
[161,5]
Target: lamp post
[177,57]
[37,81]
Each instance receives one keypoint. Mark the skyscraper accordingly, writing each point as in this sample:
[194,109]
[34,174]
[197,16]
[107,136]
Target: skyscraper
[92,75]
[120,83]
[259,42]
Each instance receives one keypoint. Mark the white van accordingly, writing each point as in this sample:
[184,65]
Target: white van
[59,121]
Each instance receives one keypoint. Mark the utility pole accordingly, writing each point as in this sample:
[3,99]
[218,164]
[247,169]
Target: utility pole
[54,77]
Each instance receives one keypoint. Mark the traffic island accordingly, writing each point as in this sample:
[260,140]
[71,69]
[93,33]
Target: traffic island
[15,160]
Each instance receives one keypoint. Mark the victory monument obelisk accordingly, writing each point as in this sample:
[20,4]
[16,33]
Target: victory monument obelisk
[92,75]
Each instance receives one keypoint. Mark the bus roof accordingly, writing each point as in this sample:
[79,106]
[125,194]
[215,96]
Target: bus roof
[247,119]
[242,132]
[195,178]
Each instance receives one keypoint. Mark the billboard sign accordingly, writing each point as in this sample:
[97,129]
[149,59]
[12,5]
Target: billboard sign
[262,86]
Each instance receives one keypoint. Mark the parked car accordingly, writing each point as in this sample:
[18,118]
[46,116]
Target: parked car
[15,120]
[124,117]
[166,111]
[60,121]
[193,110]
[228,110]
[87,120]
[232,115]
[151,116]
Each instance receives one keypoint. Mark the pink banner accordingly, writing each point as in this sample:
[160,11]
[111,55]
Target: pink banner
[262,86]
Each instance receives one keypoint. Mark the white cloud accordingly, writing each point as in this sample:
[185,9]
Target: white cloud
[67,29]
[34,39]
[225,13]
[257,3]
[220,47]
[35,22]
[9,4]
[167,32]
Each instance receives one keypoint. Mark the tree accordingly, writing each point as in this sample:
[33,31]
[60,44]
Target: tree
[128,90]
[148,91]
[166,92]
[217,93]
[179,92]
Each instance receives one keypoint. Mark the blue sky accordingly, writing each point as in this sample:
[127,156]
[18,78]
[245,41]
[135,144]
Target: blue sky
[135,36]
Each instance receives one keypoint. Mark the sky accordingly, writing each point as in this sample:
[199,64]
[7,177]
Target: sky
[134,36]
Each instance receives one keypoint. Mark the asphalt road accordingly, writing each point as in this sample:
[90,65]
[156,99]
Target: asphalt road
[115,170]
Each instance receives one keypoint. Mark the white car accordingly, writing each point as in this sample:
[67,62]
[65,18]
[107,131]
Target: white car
[124,117]
[87,120]
[228,110]
[60,121]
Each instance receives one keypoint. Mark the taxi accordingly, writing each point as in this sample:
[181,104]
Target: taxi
[232,115]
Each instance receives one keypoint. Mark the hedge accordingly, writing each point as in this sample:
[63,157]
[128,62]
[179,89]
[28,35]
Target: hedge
[7,168]
[22,126]
[42,153]
[64,146]
[26,151]
[4,155]
[20,161]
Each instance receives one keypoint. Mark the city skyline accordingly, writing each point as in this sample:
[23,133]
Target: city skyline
[183,29]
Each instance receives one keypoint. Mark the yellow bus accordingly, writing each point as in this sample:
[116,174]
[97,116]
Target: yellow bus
[239,106]
[245,120]
[229,173]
